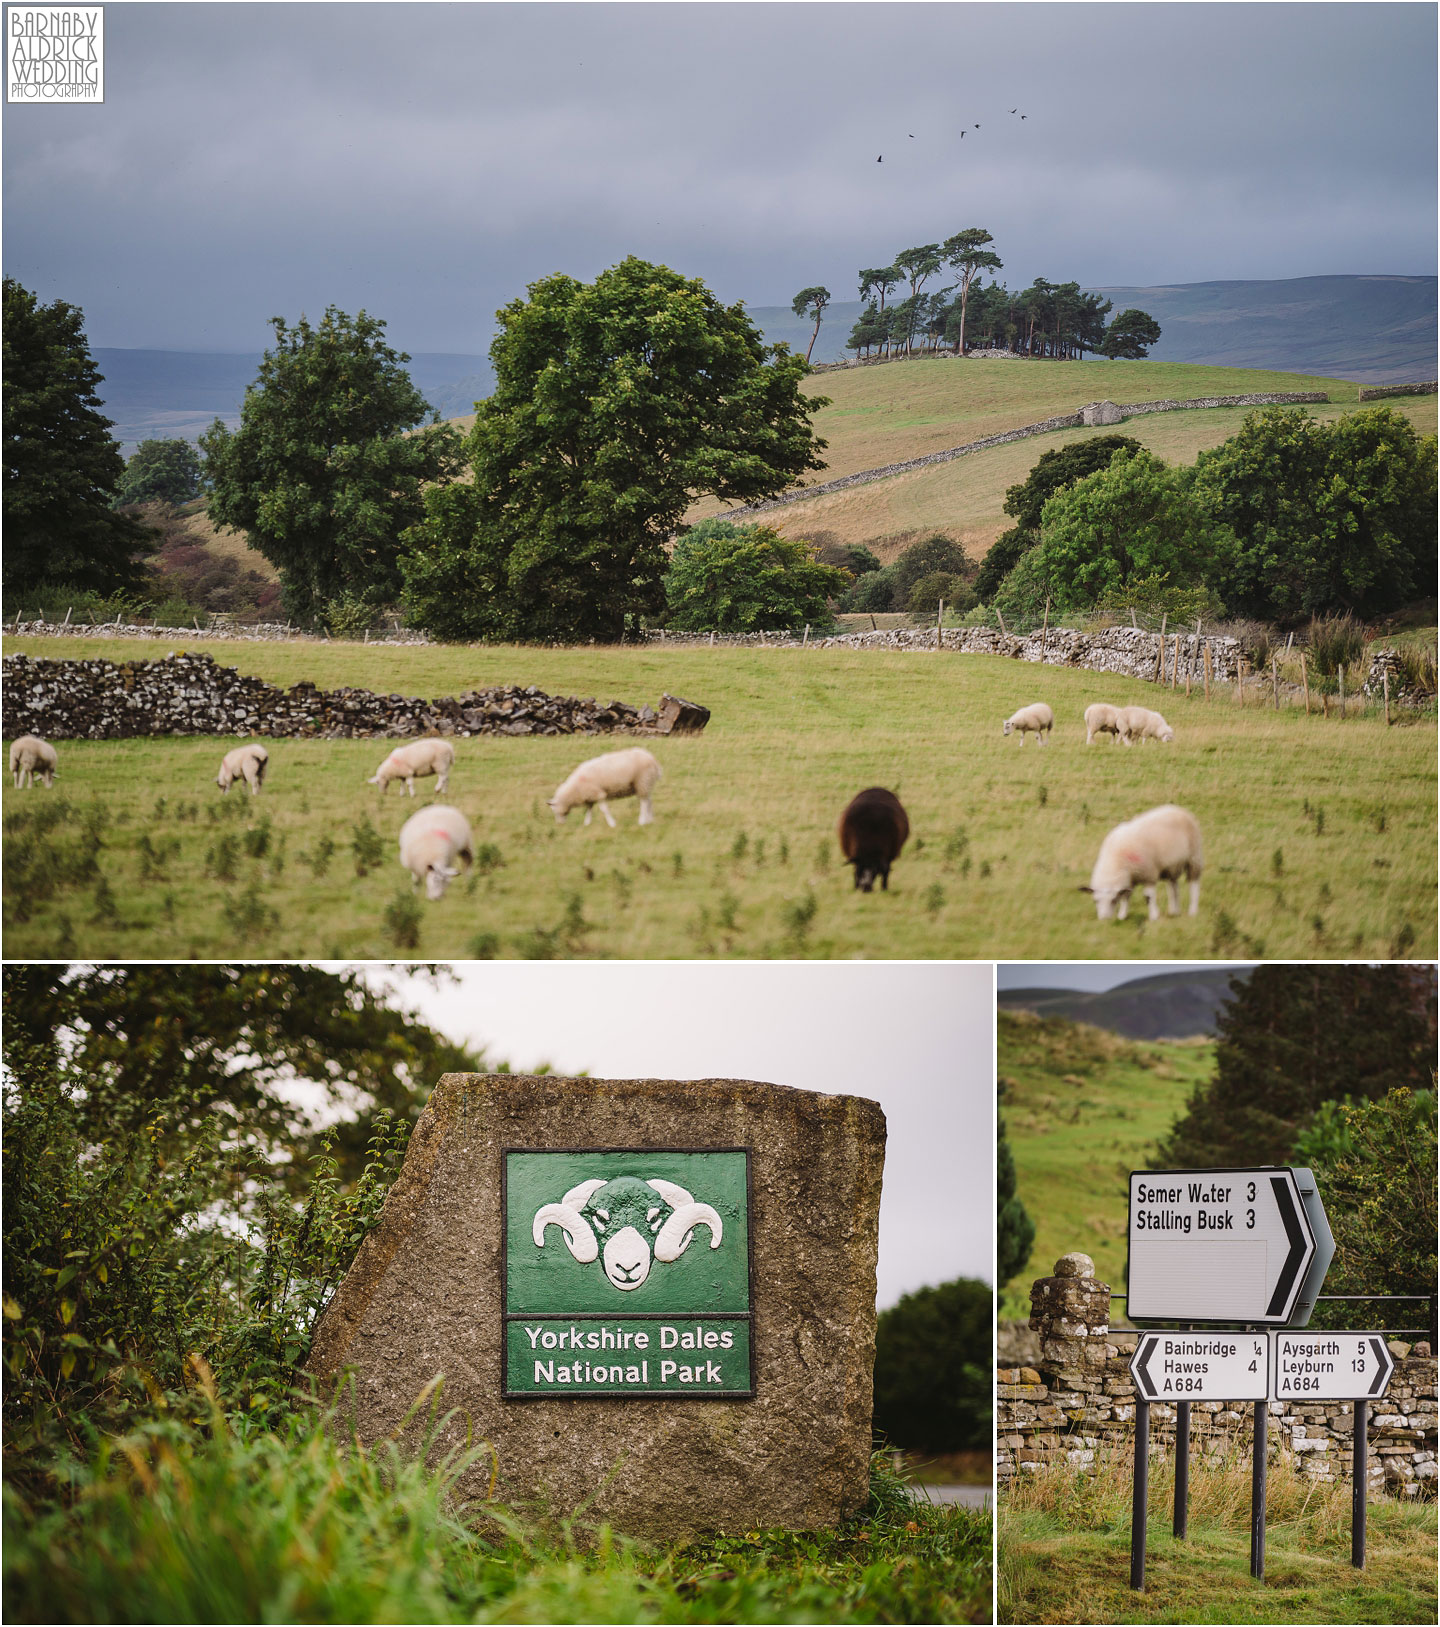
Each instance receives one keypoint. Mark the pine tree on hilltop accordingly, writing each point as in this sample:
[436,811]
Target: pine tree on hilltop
[1292,1038]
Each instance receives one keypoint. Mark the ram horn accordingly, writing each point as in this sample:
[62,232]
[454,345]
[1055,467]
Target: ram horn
[676,1196]
[579,1238]
[674,1235]
[578,1196]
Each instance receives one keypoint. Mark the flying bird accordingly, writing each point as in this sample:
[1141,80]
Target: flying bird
[880,159]
[1014,110]
[977,126]
[1024,115]
[962,135]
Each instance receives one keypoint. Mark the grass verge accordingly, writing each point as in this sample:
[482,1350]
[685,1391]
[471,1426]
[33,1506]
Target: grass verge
[1063,1550]
[167,1526]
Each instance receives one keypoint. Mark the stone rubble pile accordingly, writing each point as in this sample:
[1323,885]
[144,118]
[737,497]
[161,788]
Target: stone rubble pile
[1079,1399]
[192,694]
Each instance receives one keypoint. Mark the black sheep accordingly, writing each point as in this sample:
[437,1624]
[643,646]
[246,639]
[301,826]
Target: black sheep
[873,829]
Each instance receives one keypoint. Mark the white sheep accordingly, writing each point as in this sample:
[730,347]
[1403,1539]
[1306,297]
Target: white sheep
[1156,846]
[419,757]
[246,762]
[29,756]
[430,843]
[1038,717]
[1101,719]
[1140,723]
[630,773]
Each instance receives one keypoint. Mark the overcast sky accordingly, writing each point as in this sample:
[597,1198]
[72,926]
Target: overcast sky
[427,161]
[917,1038]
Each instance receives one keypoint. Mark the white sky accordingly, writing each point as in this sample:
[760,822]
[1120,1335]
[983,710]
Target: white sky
[917,1038]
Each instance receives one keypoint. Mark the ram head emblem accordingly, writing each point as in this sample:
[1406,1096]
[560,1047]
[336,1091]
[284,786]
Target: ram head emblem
[627,1222]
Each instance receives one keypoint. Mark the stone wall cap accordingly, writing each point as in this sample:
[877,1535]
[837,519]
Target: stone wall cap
[1075,1265]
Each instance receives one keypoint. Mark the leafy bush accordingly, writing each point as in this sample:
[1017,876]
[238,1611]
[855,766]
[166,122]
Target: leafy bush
[1004,555]
[1151,597]
[932,1367]
[875,591]
[940,587]
[351,614]
[737,579]
[160,471]
[921,559]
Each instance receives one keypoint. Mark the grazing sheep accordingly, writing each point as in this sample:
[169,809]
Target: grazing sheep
[245,762]
[419,757]
[1038,717]
[629,773]
[873,829]
[1140,723]
[430,843]
[1101,719]
[1157,846]
[29,756]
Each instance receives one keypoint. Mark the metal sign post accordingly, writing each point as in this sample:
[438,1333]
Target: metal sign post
[1195,1367]
[1337,1367]
[1257,1490]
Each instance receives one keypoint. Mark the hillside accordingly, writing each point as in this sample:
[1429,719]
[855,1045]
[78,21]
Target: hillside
[1172,1005]
[889,414]
[1083,1108]
[1376,329]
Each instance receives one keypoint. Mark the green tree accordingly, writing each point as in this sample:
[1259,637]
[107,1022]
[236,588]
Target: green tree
[873,592]
[1028,589]
[1129,336]
[1056,470]
[1134,519]
[933,1367]
[879,281]
[744,578]
[933,553]
[1327,518]
[967,253]
[811,302]
[867,332]
[189,1043]
[1003,555]
[1014,1229]
[937,588]
[62,465]
[162,471]
[616,405]
[1375,1165]
[324,473]
[919,265]
[1292,1038]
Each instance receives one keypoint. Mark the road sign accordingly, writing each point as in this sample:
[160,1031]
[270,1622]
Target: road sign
[1201,1367]
[1314,1279]
[1218,1245]
[1329,1366]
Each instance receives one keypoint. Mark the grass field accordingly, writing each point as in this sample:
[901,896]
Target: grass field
[1082,1108]
[299,1527]
[1319,836]
[1063,1550]
[884,415]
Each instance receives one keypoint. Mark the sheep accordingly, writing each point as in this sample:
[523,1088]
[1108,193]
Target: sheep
[1140,723]
[1102,719]
[629,773]
[430,843]
[420,757]
[634,1217]
[245,762]
[1156,846]
[1038,717]
[873,829]
[29,756]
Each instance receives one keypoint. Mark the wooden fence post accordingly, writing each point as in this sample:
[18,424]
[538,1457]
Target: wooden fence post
[1305,682]
[1239,680]
[1000,618]
[1045,629]
[939,622]
[1275,680]
[1206,667]
[1385,679]
[1342,691]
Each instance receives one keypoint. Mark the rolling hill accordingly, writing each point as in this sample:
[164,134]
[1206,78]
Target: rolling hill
[1171,1005]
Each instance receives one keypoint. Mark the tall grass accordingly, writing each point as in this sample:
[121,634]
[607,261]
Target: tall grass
[302,1525]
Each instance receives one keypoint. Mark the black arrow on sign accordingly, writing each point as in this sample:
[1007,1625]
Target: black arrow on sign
[1383,1363]
[1142,1367]
[1295,1232]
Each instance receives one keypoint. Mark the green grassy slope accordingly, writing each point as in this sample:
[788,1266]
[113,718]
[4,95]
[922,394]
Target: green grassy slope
[742,860]
[883,415]
[1082,1108]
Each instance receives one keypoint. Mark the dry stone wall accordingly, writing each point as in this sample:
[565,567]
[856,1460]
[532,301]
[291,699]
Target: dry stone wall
[1378,392]
[242,632]
[1077,1400]
[192,694]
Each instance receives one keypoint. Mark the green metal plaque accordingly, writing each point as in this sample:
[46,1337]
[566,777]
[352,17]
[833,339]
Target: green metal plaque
[627,1273]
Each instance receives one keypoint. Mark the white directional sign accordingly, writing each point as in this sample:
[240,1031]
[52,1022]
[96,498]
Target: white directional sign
[1217,1245]
[1201,1366]
[1330,1366]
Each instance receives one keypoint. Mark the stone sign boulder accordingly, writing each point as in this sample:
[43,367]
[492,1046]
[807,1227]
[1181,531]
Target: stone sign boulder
[652,1297]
